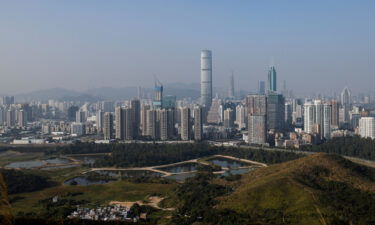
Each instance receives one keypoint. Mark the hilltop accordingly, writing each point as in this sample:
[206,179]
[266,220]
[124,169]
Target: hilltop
[317,189]
[6,217]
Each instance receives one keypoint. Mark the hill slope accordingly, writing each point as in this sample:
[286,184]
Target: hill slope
[5,216]
[318,189]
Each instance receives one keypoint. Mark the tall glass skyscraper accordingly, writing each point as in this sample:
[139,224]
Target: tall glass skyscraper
[206,78]
[272,79]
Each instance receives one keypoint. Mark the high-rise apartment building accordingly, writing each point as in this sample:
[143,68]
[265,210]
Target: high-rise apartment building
[327,113]
[143,125]
[367,127]
[198,123]
[240,117]
[136,116]
[309,116]
[335,114]
[229,118]
[185,123]
[257,118]
[108,126]
[151,124]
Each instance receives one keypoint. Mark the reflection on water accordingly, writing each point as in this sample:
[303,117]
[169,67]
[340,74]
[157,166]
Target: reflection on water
[84,181]
[181,177]
[26,164]
[227,163]
[39,163]
[185,167]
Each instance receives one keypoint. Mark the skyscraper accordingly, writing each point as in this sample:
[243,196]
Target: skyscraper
[272,87]
[119,121]
[257,118]
[309,117]
[144,109]
[136,116]
[346,103]
[206,78]
[198,123]
[158,94]
[261,87]
[108,126]
[327,112]
[163,118]
[275,112]
[229,118]
[151,124]
[240,117]
[231,87]
[99,120]
[335,114]
[185,123]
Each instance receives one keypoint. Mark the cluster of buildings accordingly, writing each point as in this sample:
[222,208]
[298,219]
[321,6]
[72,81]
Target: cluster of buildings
[104,213]
[265,117]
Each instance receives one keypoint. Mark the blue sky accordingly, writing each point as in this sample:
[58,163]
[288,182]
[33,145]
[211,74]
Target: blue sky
[317,46]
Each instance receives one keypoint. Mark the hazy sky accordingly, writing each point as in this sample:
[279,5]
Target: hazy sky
[318,45]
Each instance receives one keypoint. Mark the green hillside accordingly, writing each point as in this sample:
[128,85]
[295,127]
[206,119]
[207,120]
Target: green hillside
[5,214]
[318,189]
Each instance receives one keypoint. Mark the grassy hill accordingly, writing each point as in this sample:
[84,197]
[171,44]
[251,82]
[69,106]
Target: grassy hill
[318,189]
[6,217]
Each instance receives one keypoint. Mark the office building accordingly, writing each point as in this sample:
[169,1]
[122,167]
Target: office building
[158,95]
[169,102]
[275,112]
[261,87]
[272,82]
[346,104]
[231,87]
[206,78]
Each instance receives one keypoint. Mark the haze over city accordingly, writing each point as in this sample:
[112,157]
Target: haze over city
[80,45]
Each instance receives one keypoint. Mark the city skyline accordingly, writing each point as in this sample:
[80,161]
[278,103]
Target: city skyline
[79,46]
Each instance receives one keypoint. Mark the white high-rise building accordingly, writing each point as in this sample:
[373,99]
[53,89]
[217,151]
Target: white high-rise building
[367,127]
[327,113]
[206,78]
[240,117]
[309,117]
